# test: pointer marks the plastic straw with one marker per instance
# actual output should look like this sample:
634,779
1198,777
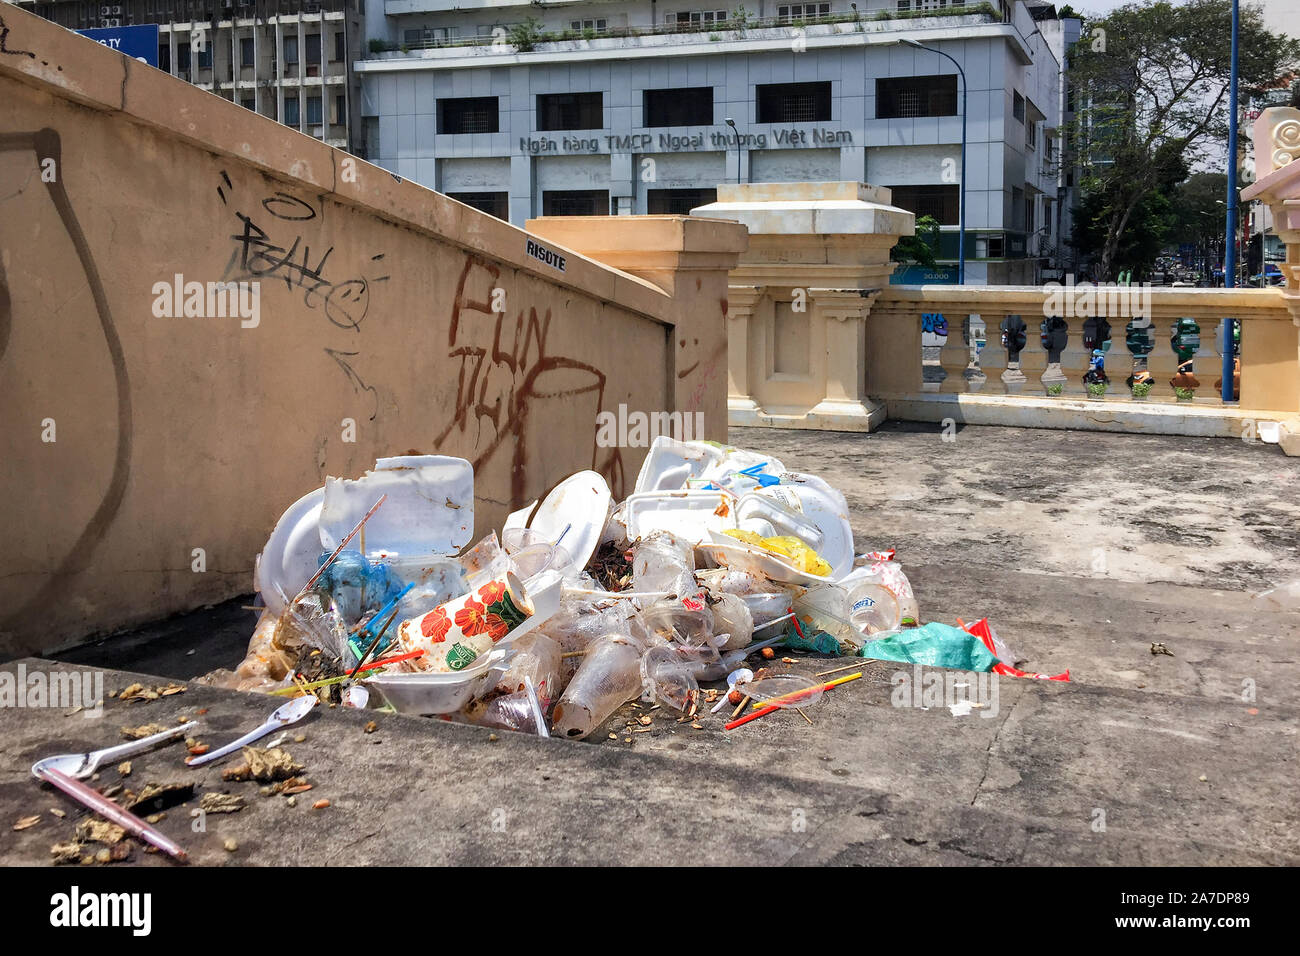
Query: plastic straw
618,594
789,697
342,544
110,811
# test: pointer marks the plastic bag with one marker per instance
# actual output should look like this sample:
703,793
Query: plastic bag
934,645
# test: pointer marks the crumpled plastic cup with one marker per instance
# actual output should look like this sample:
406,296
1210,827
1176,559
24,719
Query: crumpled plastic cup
610,676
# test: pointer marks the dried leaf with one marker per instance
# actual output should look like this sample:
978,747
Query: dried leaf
160,796
92,830
69,852
124,768
144,730
26,823
264,766
221,803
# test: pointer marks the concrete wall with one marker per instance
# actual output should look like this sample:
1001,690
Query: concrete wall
375,308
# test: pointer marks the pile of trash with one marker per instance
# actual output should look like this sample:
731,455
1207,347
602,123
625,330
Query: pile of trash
582,603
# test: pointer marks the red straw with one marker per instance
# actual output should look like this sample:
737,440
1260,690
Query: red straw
391,660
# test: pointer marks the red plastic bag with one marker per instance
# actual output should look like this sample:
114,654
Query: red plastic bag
981,630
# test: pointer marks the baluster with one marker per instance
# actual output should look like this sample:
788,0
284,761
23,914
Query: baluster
1054,334
973,332
1014,338
1185,339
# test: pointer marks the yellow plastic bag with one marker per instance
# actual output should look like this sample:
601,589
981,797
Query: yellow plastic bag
801,556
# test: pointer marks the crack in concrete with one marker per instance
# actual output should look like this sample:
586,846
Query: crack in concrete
988,753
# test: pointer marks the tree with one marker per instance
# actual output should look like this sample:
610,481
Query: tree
1151,83
1199,213
920,248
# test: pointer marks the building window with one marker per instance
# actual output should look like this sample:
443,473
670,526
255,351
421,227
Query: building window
941,202
794,102
340,47
423,37
291,51
183,57
249,103
686,18
313,48
469,114
561,111
905,6
1031,136
494,204
688,107
341,109
575,202
1017,106
589,26
315,116
246,52
205,58
802,11
291,117
677,202
899,97
165,57
1018,207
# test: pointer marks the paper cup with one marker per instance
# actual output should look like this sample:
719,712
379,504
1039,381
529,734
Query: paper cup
454,635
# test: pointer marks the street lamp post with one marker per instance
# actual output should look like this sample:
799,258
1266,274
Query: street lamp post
732,123
961,215
1230,229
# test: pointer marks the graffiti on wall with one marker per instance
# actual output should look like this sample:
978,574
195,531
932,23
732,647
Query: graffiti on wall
274,242
505,371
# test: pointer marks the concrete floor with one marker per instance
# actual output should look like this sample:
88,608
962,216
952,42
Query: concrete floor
1082,548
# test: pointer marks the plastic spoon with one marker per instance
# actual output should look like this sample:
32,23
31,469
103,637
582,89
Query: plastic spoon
286,714
81,766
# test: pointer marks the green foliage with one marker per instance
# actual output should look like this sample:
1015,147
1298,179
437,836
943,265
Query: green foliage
1151,89
920,248
526,35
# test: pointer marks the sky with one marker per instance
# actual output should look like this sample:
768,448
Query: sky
1279,15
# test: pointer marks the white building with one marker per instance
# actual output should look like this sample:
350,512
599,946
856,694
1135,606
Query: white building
290,60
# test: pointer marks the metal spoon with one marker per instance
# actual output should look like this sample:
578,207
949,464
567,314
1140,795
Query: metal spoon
81,766
284,715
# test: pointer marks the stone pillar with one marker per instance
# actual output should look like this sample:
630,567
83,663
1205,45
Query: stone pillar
1270,351
845,407
742,300
689,260
800,297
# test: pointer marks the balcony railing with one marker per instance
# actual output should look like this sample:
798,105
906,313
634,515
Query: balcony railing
927,345
519,39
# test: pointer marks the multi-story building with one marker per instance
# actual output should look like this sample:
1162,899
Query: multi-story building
291,60
643,106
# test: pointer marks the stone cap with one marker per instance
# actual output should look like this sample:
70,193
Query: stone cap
801,192
792,209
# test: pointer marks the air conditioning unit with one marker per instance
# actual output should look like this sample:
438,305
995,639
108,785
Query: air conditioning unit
110,21
111,11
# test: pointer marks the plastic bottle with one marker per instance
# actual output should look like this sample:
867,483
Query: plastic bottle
609,677
873,608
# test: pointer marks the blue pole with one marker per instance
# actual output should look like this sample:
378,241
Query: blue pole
961,213
1230,239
